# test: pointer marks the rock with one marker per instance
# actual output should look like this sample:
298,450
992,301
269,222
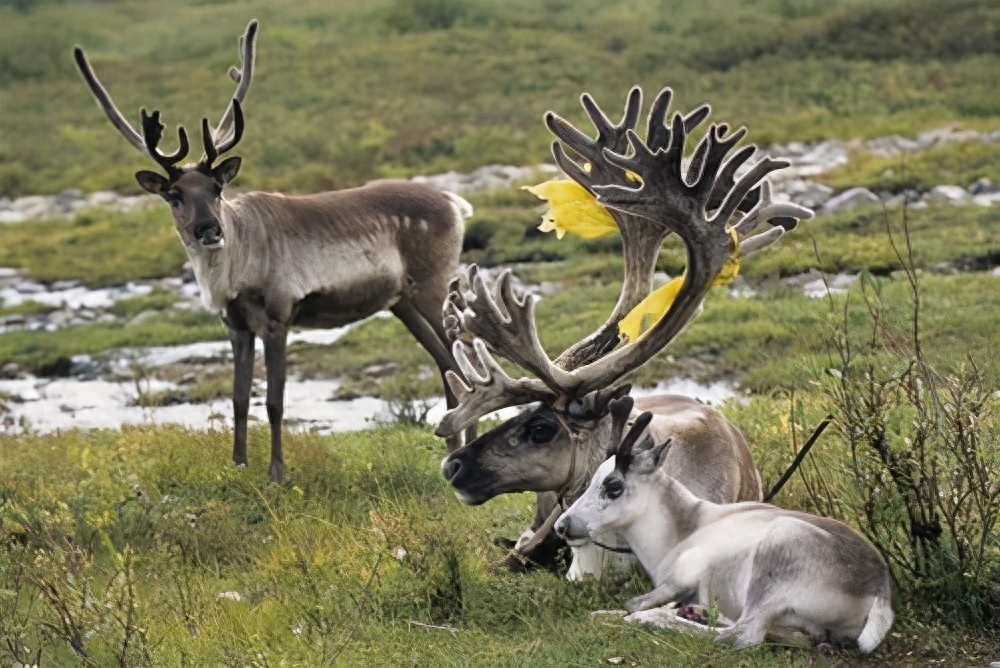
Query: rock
30,288
983,186
995,272
144,317
945,136
986,200
12,217
106,319
891,145
851,199
807,193
379,370
14,321
10,371
64,285
83,367
947,194
102,198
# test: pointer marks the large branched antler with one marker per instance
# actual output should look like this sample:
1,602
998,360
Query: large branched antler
684,203
696,203
640,241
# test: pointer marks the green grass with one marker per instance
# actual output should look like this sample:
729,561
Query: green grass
100,247
956,164
332,568
346,92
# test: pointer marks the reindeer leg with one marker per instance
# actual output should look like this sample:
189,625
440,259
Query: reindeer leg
242,340
275,343
427,336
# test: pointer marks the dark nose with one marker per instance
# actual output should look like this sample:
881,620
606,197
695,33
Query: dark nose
569,527
209,231
451,468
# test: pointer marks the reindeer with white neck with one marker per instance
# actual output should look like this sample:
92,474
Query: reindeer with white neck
553,448
767,568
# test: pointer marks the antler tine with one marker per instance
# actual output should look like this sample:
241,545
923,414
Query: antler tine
152,132
489,388
106,103
641,241
213,148
505,319
783,215
668,199
657,131
229,128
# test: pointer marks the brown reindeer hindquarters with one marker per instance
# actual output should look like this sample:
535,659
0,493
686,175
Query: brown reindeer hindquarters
707,454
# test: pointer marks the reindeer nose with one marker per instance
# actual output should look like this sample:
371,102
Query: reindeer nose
570,528
560,527
208,232
451,467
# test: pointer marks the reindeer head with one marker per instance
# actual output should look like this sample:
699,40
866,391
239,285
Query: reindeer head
556,445
619,492
193,191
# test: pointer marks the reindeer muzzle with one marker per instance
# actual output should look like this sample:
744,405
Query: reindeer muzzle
209,235
572,530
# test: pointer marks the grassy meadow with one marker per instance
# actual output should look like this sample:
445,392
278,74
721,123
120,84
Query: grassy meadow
145,546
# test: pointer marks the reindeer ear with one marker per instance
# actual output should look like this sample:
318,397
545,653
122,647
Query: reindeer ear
623,457
620,410
227,170
152,182
659,452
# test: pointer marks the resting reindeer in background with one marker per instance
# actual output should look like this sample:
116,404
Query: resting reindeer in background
266,262
765,567
555,447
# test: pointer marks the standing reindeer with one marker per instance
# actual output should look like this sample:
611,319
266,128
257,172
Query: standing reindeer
765,567
266,262
554,447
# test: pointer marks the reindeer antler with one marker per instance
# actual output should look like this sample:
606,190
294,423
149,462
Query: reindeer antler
697,204
226,135
230,128
640,241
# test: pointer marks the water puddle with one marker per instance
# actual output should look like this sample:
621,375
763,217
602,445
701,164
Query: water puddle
51,405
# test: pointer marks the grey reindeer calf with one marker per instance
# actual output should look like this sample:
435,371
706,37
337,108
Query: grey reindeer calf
266,262
765,567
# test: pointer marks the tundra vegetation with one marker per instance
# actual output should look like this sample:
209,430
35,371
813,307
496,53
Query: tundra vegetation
144,546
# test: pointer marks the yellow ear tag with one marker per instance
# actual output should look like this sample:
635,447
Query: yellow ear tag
657,303
572,208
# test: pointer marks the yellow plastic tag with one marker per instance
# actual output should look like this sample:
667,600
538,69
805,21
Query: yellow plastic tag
572,208
657,303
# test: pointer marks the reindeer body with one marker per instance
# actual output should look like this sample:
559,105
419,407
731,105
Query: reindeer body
266,262
765,567
333,258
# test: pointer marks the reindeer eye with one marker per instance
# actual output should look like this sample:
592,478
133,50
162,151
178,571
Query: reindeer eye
613,488
541,432
175,198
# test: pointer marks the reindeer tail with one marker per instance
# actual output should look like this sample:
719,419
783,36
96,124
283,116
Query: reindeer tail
462,207
879,620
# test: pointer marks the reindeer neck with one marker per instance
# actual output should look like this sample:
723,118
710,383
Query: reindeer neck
674,514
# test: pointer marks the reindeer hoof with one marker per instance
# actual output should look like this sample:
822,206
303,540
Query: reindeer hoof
277,472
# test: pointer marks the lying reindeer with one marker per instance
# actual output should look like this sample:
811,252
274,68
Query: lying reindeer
765,567
266,262
555,446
